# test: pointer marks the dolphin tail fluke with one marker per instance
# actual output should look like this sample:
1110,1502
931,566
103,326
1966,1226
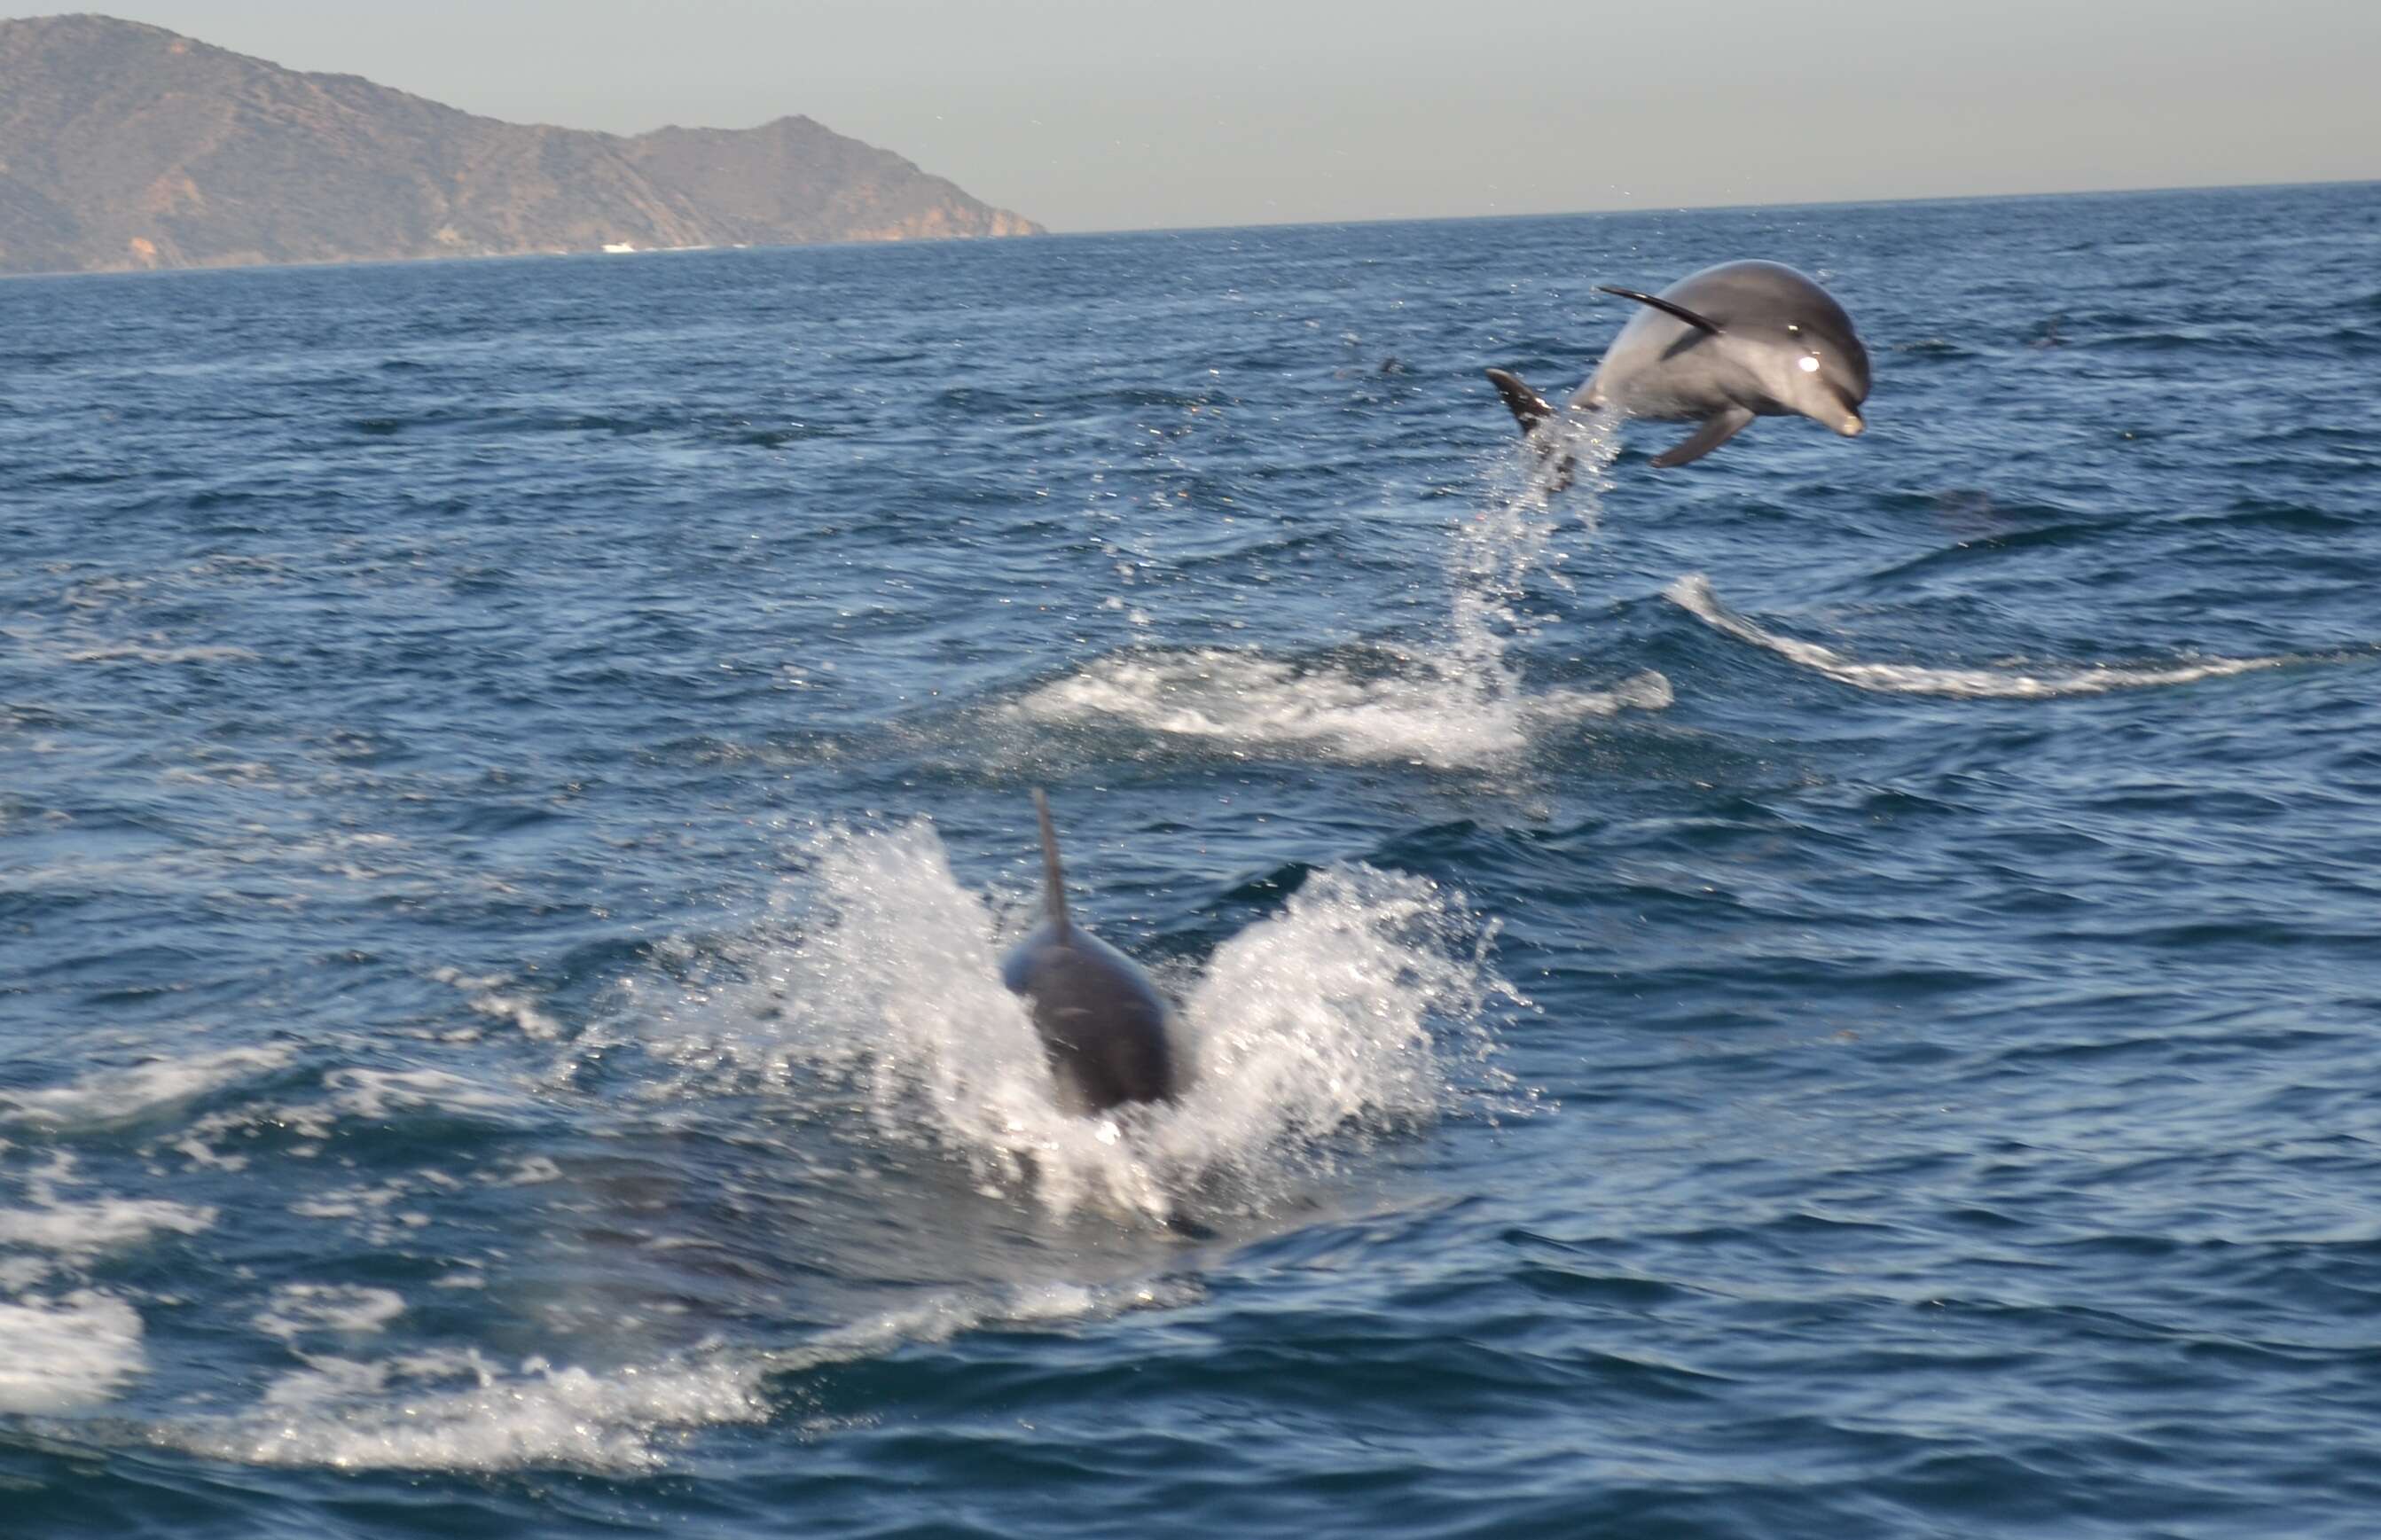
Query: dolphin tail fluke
1718,429
1054,879
1528,408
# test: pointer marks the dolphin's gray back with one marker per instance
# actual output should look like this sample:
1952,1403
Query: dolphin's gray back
1662,367
1103,1024
1758,291
1101,1021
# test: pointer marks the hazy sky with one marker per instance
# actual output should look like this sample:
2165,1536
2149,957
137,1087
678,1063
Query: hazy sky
1116,114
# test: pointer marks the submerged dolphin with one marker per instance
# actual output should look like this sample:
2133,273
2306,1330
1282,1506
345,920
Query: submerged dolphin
1722,347
1103,1024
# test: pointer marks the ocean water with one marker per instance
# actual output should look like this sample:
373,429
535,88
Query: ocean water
1832,991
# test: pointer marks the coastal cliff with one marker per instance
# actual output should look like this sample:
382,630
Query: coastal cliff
128,146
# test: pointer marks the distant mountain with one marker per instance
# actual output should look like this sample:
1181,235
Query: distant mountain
128,146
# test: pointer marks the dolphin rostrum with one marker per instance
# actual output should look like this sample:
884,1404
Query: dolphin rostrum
1102,1022
1721,346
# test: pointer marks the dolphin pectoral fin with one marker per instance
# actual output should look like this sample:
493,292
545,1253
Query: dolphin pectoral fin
1528,408
1718,429
1668,307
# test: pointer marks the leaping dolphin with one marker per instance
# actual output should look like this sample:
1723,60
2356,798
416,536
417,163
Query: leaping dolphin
1722,347
1102,1022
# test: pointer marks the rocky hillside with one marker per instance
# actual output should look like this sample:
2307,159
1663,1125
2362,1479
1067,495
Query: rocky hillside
125,146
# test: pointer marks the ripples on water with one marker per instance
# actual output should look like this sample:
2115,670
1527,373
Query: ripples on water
516,785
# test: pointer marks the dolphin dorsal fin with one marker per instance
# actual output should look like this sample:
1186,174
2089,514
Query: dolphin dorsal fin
1054,879
1528,408
1668,307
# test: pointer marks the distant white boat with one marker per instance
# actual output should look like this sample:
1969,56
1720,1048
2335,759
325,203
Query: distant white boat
618,246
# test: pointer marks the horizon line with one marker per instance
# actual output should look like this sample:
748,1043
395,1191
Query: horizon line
1048,234
1715,208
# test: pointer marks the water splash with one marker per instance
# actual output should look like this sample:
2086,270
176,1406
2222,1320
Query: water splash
1355,1009
1694,593
1458,700
1503,547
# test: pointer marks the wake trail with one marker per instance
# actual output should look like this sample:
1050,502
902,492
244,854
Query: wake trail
1694,593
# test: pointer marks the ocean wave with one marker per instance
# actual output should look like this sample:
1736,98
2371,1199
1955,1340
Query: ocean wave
459,1410
158,652
113,1098
462,1410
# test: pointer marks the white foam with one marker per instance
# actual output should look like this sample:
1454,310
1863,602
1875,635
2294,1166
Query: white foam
108,1098
531,1171
1355,1008
459,1410
463,1411
368,1095
491,996
1694,593
79,1229
21,1271
1431,711
347,1202
951,1315
301,1309
373,1094
60,1355
157,652
378,1218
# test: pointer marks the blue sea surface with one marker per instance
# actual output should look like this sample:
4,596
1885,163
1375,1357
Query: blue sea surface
1833,992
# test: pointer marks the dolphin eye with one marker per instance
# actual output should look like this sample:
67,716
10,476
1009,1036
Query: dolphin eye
1808,363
